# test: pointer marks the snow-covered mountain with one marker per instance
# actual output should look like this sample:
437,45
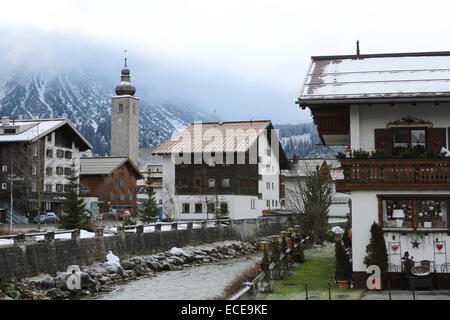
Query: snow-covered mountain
303,140
87,103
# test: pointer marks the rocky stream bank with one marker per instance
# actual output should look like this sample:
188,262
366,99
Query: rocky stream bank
102,276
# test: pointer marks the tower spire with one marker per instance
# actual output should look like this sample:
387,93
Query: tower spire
125,87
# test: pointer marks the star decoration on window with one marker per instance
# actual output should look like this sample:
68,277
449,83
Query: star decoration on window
393,237
415,244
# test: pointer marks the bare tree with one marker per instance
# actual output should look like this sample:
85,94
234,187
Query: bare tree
310,197
170,203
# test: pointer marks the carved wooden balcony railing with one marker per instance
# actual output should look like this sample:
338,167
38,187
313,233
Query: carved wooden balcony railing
398,174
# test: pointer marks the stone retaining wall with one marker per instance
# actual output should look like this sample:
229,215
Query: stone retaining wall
29,259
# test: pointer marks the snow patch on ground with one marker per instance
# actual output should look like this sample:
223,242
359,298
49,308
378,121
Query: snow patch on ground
176,251
337,230
112,259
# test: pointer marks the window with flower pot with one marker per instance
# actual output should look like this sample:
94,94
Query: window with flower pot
414,212
397,139
409,137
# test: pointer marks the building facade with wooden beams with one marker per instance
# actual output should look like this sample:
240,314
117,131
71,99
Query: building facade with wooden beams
112,180
393,113
39,153
235,165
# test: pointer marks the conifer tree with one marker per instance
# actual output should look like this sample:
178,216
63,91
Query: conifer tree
150,210
376,249
73,216
343,265
221,211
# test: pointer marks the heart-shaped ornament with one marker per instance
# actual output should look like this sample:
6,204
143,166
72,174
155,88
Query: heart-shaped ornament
394,247
439,246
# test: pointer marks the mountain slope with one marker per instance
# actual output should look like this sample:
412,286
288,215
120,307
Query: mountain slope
303,140
87,103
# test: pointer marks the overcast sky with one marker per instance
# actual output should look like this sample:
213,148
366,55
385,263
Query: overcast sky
246,59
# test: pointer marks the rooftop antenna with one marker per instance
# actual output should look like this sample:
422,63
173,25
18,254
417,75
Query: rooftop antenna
357,49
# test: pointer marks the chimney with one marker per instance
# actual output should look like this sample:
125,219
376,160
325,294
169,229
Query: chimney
51,115
20,117
357,49
5,120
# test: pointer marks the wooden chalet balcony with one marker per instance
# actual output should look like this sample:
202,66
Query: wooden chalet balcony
395,174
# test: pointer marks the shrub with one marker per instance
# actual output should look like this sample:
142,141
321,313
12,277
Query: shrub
236,284
376,249
128,222
343,265
340,156
361,154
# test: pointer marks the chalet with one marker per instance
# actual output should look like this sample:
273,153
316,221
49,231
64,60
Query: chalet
235,165
393,113
39,153
112,180
296,176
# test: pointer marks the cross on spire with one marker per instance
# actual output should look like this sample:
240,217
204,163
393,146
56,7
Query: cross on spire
125,56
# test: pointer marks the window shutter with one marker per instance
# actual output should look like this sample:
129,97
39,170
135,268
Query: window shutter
383,140
436,139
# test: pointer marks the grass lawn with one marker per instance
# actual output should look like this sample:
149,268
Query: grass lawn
316,271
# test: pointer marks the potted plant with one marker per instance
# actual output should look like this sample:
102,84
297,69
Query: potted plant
376,251
343,266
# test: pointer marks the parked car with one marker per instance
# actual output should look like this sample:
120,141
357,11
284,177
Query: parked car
123,215
50,217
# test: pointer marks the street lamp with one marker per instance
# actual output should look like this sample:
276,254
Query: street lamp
264,245
274,239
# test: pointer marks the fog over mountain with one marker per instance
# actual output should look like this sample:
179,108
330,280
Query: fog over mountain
157,76
62,73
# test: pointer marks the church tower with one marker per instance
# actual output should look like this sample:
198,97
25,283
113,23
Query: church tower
125,119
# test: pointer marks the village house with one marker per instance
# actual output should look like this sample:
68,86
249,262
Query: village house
150,165
235,165
40,154
393,111
294,180
112,180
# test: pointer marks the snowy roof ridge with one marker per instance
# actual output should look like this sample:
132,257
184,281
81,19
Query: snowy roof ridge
416,76
41,128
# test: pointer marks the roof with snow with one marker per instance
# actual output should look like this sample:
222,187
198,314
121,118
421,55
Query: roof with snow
146,158
396,77
106,166
186,139
34,129
236,136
